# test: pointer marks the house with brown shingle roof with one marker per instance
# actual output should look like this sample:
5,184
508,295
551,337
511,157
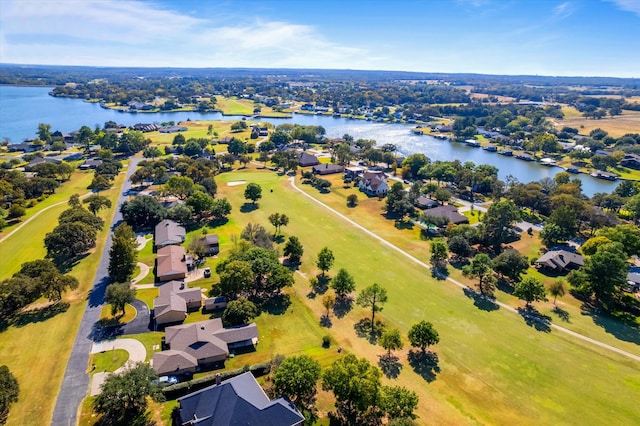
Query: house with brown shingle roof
374,183
450,213
174,300
171,263
168,232
305,159
208,342
560,260
173,362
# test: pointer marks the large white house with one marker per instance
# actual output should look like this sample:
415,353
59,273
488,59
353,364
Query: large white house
374,183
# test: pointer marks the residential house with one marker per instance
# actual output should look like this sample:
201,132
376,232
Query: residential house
215,303
145,127
173,129
90,164
174,300
208,342
353,172
212,244
168,232
449,212
424,202
631,160
172,263
560,260
174,362
26,147
374,183
327,169
305,159
29,167
236,401
601,174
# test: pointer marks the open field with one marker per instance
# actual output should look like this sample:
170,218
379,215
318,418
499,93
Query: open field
618,126
37,348
494,368
234,106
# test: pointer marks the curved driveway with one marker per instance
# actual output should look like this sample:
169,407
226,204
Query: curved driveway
458,283
76,379
137,353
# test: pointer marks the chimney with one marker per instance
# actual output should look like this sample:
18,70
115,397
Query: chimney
218,379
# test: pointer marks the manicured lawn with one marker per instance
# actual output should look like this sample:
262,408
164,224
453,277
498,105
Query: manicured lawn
108,361
147,295
472,215
37,348
151,341
107,319
234,106
493,367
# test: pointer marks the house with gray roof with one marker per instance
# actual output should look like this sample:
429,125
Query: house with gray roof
172,263
450,213
236,401
168,232
560,260
305,159
327,169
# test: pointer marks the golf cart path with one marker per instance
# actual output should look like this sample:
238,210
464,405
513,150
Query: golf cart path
459,284
38,214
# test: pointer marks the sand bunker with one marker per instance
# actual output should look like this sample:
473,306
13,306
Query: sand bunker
237,182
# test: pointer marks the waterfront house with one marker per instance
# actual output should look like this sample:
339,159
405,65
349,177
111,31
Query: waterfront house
600,174
374,183
631,160
327,169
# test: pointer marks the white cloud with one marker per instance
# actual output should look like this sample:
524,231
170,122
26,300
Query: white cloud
563,10
627,5
129,32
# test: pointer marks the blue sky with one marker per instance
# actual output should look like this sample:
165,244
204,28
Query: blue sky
544,37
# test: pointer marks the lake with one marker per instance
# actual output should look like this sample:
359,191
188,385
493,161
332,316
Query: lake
22,108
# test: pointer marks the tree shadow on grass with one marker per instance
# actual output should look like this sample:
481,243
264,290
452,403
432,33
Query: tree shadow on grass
425,364
322,284
363,330
403,224
248,207
481,301
40,314
390,365
143,419
564,315
214,223
622,330
325,321
342,306
533,318
277,305
505,286
439,274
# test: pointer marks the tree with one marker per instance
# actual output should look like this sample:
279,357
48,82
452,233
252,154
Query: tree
123,396
297,378
80,215
69,240
293,249
606,270
152,152
235,278
557,289
100,183
253,192
439,253
201,203
118,295
422,335
511,264
343,283
9,392
355,384
372,297
325,260
442,195
352,200
181,213
142,212
498,222
58,146
257,235
552,234
626,234
278,220
96,203
391,341
530,290
180,186
239,312
328,300
44,132
481,268
192,148
399,402
591,245
221,208
398,203
123,254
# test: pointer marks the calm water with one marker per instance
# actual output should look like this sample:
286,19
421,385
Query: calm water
22,108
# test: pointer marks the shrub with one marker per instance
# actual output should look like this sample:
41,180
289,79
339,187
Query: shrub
326,341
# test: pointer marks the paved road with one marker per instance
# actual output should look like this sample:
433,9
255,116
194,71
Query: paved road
466,288
76,380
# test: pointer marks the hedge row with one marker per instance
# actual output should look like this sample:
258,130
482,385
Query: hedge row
184,388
